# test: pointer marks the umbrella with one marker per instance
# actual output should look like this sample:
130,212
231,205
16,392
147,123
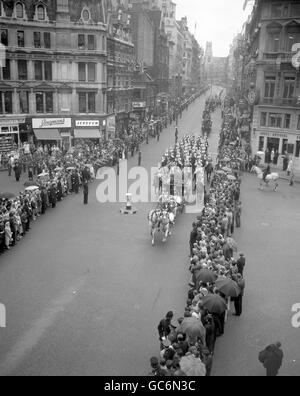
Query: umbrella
58,169
43,174
192,367
193,328
226,169
220,172
7,195
30,184
214,304
228,287
260,153
231,177
232,244
206,276
32,188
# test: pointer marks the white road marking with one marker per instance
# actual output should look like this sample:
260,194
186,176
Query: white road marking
32,337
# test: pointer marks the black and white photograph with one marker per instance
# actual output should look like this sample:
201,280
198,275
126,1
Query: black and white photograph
149,191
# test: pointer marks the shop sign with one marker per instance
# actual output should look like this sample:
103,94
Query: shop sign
12,122
48,123
138,105
87,123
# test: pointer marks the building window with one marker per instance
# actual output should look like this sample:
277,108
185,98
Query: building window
4,37
6,106
47,40
37,39
275,120
43,71
287,121
87,72
81,71
298,123
39,98
270,83
91,43
48,71
24,102
38,69
91,72
263,119
81,41
289,87
21,38
295,9
274,42
6,70
87,102
82,102
20,11
44,101
41,13
297,154
22,70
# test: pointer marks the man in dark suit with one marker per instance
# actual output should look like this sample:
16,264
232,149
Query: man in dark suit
241,263
85,193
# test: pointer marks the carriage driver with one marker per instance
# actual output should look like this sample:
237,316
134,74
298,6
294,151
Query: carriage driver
267,172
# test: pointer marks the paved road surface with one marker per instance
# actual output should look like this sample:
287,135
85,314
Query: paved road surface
84,291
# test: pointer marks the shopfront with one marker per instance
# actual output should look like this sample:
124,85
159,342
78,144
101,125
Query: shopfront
280,143
91,129
139,108
52,131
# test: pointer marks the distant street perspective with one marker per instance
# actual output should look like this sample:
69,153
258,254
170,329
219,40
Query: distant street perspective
149,191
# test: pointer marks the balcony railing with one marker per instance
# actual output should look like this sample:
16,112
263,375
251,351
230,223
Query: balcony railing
293,102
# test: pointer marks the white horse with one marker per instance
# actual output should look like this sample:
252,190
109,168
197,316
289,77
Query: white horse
272,178
160,220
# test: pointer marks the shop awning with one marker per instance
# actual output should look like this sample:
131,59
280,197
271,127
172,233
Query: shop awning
87,134
47,134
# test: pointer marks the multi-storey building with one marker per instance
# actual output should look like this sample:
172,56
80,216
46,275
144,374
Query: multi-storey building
273,37
53,83
120,65
176,39
187,57
215,68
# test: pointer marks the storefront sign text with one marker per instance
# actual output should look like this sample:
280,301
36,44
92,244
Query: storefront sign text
46,123
87,123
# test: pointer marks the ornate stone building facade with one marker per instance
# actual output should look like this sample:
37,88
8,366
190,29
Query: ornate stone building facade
53,82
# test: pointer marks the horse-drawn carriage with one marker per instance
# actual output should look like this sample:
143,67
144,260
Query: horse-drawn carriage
163,217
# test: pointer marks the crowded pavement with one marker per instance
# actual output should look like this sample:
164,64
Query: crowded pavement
85,288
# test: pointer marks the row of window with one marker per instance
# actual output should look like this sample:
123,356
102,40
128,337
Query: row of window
43,40
43,71
44,102
277,120
279,41
285,10
20,13
288,85
40,40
